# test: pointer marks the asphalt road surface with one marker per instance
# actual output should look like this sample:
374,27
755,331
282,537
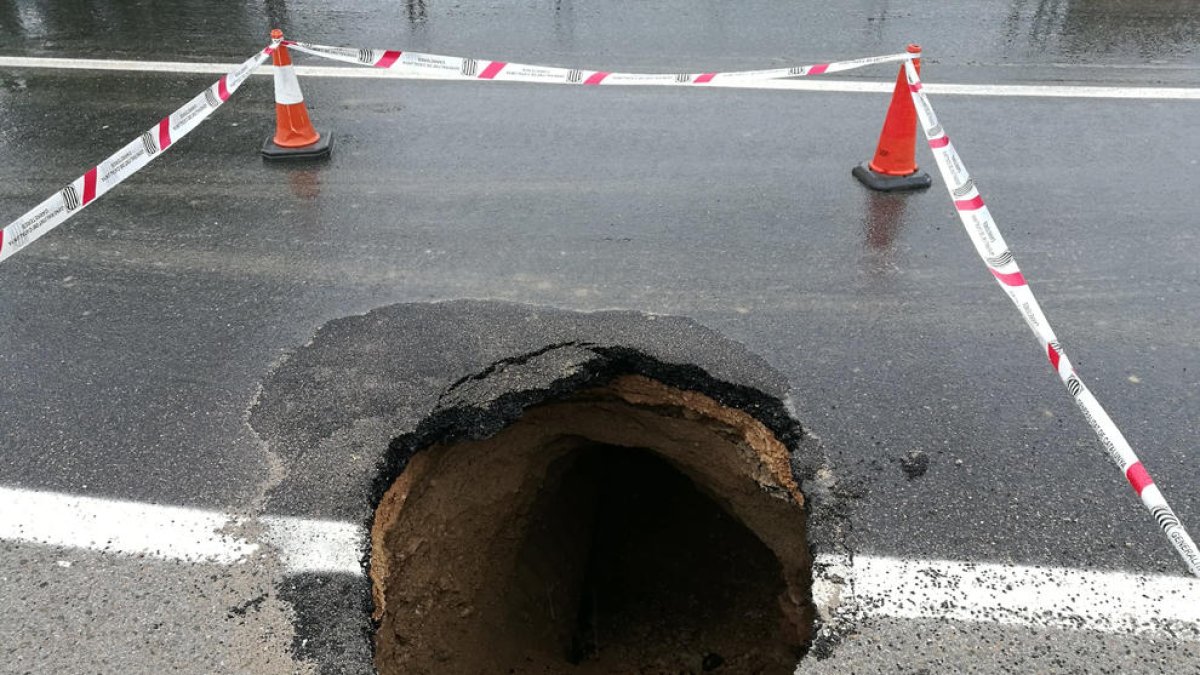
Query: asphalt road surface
140,338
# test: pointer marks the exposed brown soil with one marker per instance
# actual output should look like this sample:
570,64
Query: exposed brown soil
633,528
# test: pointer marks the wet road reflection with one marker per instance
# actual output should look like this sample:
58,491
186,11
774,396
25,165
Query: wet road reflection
415,11
675,32
882,224
158,309
305,183
1090,29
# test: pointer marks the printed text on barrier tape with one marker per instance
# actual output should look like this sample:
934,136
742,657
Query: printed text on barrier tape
990,245
972,211
59,207
81,192
440,67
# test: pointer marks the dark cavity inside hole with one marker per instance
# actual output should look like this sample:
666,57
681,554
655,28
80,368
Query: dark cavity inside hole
628,567
634,528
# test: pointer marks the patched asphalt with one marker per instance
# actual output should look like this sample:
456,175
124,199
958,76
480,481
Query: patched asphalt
345,413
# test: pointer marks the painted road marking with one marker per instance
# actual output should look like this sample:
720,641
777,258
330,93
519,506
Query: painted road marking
874,586
306,545
173,532
1036,596
843,86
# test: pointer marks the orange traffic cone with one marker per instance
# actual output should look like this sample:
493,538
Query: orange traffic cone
295,137
895,163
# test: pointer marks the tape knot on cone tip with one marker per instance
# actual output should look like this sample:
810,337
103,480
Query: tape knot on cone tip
894,166
295,137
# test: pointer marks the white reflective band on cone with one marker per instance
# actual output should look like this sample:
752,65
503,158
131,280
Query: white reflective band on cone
991,247
287,86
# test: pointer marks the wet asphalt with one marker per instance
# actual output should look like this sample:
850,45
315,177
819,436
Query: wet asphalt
972,40
136,337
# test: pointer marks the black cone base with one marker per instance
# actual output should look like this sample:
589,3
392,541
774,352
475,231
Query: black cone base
321,148
886,183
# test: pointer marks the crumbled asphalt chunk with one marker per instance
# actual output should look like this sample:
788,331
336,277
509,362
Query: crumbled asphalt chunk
914,464
253,603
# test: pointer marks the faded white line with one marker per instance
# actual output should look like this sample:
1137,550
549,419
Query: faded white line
173,532
129,528
306,545
867,586
842,86
1043,597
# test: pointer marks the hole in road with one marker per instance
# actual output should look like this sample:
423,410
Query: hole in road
652,570
628,529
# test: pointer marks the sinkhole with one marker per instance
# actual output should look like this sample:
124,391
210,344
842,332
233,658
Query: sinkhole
629,528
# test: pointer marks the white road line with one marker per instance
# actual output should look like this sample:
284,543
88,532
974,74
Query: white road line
1043,597
870,586
306,545
814,84
173,532
131,528
115,64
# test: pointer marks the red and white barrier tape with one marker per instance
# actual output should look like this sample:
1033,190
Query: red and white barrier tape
1000,262
971,209
434,66
125,162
